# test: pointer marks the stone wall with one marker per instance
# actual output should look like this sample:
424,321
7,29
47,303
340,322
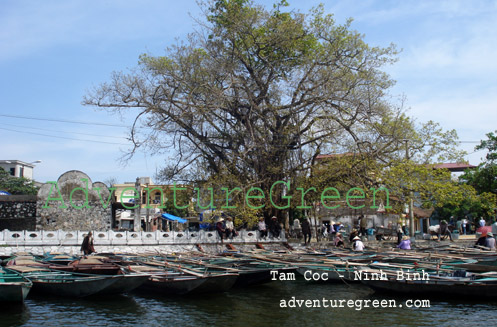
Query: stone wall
80,204
17,212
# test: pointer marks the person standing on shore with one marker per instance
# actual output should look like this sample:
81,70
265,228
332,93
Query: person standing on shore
230,228
464,224
262,228
494,227
400,232
87,245
363,223
444,230
275,227
306,230
482,222
220,228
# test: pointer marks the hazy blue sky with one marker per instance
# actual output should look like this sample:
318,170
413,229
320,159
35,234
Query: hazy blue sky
51,52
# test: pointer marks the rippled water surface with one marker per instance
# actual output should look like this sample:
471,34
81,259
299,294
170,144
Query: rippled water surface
254,306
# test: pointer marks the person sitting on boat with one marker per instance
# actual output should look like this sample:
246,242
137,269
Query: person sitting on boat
338,241
87,245
405,244
357,245
490,241
494,227
262,228
220,228
275,227
230,228
481,241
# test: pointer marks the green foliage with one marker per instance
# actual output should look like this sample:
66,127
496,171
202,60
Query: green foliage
484,178
16,185
473,205
491,146
480,185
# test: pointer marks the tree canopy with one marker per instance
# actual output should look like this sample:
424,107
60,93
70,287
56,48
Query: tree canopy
484,178
254,96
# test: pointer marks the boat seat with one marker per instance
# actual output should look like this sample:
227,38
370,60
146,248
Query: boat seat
23,269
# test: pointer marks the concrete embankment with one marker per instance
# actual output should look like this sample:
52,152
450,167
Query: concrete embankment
39,242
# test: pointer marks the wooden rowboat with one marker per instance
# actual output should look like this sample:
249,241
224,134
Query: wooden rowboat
472,289
58,283
13,286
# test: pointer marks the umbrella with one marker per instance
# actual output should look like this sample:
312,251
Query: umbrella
168,216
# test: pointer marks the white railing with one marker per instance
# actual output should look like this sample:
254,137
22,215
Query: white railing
21,238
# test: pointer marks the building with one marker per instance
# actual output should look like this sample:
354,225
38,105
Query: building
154,200
18,168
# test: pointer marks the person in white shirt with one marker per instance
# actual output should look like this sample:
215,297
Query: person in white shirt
229,228
262,228
357,245
482,222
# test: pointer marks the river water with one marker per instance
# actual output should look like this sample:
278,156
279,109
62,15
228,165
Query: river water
254,306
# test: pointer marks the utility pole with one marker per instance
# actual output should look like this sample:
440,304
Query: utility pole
411,196
138,200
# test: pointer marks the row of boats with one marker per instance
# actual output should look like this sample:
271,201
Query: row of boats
64,275
433,271
441,271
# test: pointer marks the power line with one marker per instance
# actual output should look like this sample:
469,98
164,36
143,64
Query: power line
476,151
63,121
61,137
52,130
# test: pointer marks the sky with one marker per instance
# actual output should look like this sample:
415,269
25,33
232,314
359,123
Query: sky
53,52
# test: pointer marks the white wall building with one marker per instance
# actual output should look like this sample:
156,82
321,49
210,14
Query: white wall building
18,168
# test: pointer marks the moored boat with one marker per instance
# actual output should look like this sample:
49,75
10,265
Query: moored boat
483,288
13,286
166,282
58,283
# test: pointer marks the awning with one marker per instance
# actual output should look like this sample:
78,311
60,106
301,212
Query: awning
4,193
173,218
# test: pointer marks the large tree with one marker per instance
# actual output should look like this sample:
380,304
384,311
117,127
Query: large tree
253,96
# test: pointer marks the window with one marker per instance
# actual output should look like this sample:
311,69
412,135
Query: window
13,171
157,198
21,172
